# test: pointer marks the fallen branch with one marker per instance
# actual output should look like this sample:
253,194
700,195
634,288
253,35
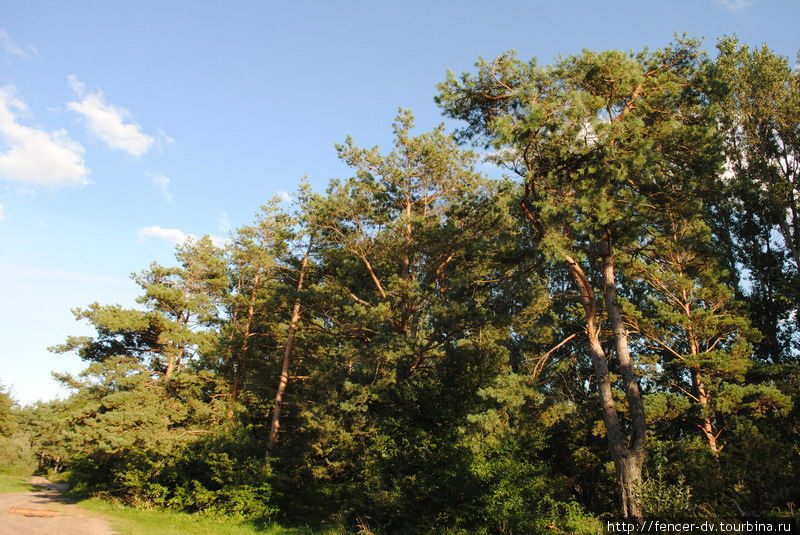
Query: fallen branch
24,511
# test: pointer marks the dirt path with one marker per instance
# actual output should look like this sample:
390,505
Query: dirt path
69,519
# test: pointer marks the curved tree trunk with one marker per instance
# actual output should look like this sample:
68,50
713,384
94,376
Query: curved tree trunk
287,355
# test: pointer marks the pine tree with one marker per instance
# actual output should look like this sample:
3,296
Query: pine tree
255,268
182,306
690,318
407,320
589,136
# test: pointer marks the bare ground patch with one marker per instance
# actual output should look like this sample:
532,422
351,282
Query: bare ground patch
47,512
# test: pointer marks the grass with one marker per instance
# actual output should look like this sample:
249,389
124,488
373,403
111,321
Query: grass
131,521
9,483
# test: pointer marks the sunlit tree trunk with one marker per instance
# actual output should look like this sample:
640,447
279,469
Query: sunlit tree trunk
287,354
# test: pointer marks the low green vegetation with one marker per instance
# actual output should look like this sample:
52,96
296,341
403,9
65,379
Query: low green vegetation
10,483
132,521
17,455
610,330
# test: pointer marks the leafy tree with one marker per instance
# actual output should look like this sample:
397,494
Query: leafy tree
159,441
43,427
7,422
16,453
758,98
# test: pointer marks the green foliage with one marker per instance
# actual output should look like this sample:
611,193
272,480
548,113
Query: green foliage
131,521
663,500
757,94
160,442
8,425
16,455
659,497
182,308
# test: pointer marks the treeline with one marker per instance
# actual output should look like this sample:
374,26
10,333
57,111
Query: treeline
611,329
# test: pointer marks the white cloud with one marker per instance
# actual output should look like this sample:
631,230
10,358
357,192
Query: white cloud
736,7
162,183
108,121
37,156
175,236
10,48
3,215
216,241
172,235
282,195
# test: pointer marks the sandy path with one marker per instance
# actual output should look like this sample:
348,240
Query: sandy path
70,520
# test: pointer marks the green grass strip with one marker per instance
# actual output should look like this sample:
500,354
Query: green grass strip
131,521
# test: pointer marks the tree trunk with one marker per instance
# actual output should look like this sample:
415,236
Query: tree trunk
788,237
628,464
705,425
627,461
287,355
629,475
407,238
170,366
701,391
631,384
634,457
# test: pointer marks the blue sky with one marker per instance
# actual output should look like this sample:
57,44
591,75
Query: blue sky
126,126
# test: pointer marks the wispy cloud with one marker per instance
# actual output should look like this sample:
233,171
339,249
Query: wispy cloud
36,156
162,183
173,235
163,139
737,7
3,215
108,121
223,222
282,195
10,48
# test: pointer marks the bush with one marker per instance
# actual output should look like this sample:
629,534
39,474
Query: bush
17,456
660,499
207,477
